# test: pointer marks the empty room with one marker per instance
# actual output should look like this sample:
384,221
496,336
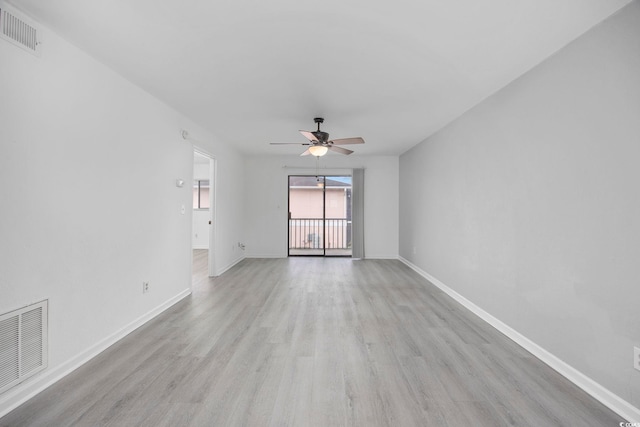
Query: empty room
227,213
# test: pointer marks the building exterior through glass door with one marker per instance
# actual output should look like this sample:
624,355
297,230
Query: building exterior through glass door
319,215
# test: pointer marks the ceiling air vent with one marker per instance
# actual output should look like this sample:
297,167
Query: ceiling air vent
23,344
17,30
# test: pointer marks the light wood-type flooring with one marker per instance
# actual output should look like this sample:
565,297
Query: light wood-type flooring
313,342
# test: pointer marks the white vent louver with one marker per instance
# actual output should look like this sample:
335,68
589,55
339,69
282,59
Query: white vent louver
23,344
15,29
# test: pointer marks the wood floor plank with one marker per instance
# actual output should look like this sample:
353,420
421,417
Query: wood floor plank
313,342
294,397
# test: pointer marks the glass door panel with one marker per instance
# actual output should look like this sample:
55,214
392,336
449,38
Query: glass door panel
337,216
306,215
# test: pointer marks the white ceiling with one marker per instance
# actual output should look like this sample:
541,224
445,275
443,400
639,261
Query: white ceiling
256,71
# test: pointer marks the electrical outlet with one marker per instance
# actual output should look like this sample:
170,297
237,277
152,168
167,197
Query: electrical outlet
636,358
145,287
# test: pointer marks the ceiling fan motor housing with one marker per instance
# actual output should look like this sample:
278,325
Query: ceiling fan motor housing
322,136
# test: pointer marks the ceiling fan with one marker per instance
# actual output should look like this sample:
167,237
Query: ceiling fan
319,142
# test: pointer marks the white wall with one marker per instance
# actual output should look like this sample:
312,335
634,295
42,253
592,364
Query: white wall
90,208
266,200
230,228
528,204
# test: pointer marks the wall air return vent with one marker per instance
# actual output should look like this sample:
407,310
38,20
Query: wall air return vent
23,344
18,30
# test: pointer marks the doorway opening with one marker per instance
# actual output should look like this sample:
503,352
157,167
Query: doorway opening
203,228
320,215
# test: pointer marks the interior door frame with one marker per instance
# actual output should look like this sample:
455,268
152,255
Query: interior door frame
212,272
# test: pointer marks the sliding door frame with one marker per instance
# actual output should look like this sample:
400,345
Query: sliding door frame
324,217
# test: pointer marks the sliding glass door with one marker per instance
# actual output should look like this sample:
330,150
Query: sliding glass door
319,215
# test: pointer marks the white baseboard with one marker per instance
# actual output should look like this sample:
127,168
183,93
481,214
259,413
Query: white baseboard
380,256
13,398
229,266
603,395
258,256
284,255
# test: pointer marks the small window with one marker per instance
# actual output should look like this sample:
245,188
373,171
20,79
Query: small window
201,194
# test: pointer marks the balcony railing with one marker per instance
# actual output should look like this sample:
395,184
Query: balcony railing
319,233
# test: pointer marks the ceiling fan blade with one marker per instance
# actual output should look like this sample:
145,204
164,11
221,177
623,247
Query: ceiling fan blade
339,149
345,141
309,135
306,153
289,143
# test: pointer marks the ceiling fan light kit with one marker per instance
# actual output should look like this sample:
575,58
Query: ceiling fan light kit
318,150
319,142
